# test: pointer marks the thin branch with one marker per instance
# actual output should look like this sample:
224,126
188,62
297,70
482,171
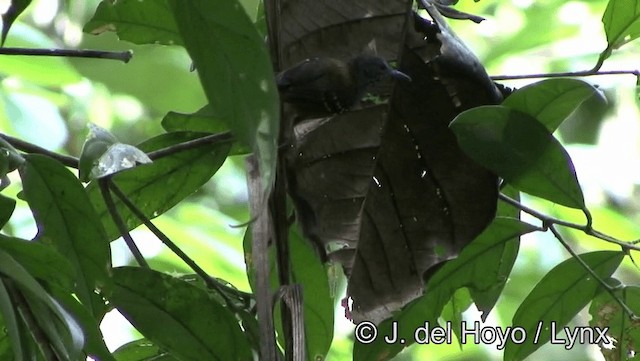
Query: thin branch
32,148
584,265
122,228
72,162
225,137
208,280
567,74
123,56
548,221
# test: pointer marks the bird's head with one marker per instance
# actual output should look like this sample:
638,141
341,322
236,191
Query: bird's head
370,69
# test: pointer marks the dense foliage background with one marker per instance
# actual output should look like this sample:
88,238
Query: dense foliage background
49,102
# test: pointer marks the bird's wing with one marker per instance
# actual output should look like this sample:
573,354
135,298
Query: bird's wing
306,73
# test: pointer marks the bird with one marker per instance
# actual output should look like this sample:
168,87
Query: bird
325,86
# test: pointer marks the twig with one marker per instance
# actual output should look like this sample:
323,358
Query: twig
548,221
123,56
567,74
122,228
584,265
72,162
208,280
32,148
225,137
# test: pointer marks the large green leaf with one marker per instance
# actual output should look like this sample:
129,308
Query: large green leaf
41,260
94,340
520,150
11,328
606,313
478,267
236,73
66,219
62,331
309,272
7,205
142,350
557,298
621,22
140,22
178,317
155,188
552,101
204,120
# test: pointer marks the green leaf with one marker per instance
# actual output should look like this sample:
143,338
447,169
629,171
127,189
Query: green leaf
61,329
452,311
140,22
15,9
10,324
94,345
477,267
552,101
486,299
204,120
178,317
66,219
236,73
41,260
158,186
557,298
142,350
621,22
520,150
607,313
7,206
318,304
317,301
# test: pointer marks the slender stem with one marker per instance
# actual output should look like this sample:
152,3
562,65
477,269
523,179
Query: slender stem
208,280
608,288
123,56
567,74
548,221
32,148
72,162
122,228
225,137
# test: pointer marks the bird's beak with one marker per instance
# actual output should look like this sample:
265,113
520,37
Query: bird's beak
396,74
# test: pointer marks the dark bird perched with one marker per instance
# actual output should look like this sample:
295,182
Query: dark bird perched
328,86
